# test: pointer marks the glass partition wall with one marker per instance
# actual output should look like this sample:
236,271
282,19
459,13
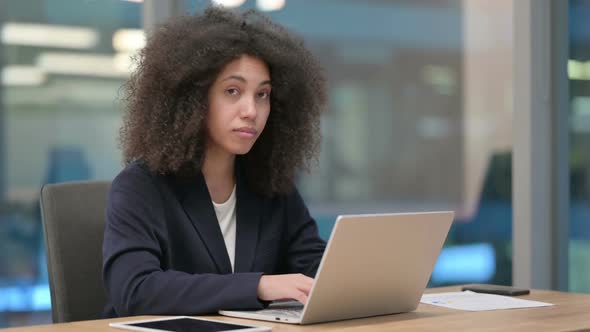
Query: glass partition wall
419,118
62,63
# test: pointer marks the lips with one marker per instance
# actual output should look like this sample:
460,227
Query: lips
247,130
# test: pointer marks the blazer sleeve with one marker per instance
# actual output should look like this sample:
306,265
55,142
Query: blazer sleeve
304,245
132,273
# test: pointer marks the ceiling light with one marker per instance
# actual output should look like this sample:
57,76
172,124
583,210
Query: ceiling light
48,35
80,64
124,62
228,3
22,76
128,40
270,5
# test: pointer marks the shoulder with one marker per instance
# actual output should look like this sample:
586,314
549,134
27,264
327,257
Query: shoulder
135,169
135,177
137,180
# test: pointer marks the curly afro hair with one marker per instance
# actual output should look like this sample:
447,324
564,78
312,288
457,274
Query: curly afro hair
164,122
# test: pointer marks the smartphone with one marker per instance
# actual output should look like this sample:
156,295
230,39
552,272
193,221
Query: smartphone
495,289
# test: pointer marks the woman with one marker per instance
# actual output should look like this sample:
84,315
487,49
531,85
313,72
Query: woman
223,111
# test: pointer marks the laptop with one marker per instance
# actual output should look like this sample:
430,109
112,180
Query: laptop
374,264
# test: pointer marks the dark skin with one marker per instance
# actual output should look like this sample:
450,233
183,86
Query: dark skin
220,88
239,107
168,98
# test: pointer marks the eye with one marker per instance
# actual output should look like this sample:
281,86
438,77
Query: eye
232,91
264,94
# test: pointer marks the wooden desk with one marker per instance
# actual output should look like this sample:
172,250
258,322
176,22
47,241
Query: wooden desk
571,312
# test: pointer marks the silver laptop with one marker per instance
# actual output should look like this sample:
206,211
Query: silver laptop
375,264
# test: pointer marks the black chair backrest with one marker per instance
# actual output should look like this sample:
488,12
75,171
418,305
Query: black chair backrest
73,217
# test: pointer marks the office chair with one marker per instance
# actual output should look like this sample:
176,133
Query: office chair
73,223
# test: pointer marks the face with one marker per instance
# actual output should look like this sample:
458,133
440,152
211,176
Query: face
239,105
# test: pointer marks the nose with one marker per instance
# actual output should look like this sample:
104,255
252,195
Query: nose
248,110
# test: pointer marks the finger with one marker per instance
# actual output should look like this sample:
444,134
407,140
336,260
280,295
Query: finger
306,280
309,280
300,296
304,277
304,288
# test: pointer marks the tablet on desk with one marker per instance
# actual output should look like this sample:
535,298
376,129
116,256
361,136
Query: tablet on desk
186,324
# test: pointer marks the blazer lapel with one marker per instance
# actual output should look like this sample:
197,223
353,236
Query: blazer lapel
249,208
197,204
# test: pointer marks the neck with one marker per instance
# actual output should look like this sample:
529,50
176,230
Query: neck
218,170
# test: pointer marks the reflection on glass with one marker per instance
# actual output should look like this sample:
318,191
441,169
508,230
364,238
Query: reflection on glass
420,118
60,78
579,75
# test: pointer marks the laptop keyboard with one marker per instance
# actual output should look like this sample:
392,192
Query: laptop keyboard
286,312
289,309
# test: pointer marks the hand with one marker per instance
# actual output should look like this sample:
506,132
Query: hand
284,286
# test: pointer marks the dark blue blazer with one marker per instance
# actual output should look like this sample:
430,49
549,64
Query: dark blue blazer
163,251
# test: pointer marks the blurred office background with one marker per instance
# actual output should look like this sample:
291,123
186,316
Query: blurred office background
420,118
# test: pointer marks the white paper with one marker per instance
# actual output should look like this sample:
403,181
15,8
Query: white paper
472,301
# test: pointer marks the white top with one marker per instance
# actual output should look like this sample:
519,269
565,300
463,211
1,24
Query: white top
226,216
